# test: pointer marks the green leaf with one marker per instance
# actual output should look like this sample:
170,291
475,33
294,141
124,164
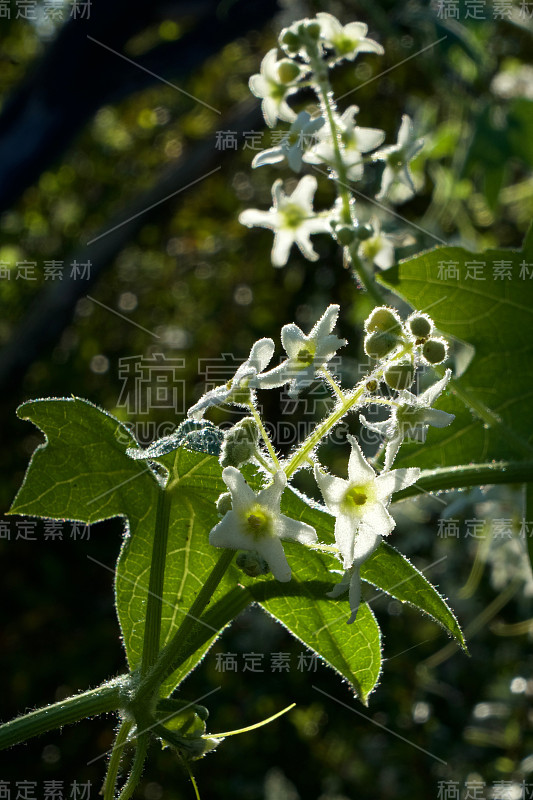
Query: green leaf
492,399
83,473
391,571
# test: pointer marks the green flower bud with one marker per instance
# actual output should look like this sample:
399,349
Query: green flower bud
240,444
345,234
252,563
400,376
224,503
372,386
288,71
420,325
435,351
379,344
313,29
384,319
289,40
364,232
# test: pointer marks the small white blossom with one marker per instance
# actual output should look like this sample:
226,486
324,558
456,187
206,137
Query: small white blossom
238,389
379,247
256,523
354,142
268,86
347,40
412,418
360,507
300,134
291,218
306,354
397,158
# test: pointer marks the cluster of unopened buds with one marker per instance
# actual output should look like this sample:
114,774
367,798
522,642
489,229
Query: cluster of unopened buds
251,521
330,142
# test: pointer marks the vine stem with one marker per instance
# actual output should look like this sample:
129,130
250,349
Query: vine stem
443,479
348,402
102,700
264,434
121,740
169,657
152,627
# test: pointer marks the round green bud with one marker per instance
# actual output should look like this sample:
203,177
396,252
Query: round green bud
345,234
313,29
385,320
379,344
289,40
420,325
240,444
364,232
288,71
224,503
435,351
252,563
400,376
372,386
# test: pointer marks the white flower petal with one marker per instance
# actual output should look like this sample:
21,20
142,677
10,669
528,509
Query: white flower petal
272,551
355,30
261,353
366,541
253,217
438,418
430,395
272,156
305,190
242,495
333,489
297,531
326,323
354,595
342,586
389,482
345,533
378,519
303,242
271,495
368,138
228,533
359,470
283,241
292,339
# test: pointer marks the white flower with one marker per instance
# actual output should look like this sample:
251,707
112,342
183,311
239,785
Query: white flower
291,218
397,158
353,140
291,147
238,389
256,523
347,40
360,507
412,418
268,86
379,247
306,353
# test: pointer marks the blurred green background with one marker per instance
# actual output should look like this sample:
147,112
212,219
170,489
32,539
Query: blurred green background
127,166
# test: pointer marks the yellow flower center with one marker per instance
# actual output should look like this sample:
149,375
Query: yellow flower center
357,497
258,522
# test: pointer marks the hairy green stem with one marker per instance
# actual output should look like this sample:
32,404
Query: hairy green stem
171,656
367,280
445,478
349,402
264,434
152,627
117,753
101,700
137,768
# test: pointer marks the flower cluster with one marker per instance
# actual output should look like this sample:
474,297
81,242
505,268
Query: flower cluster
251,520
329,141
